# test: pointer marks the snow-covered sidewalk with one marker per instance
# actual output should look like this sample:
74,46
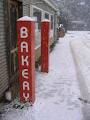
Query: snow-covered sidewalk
57,93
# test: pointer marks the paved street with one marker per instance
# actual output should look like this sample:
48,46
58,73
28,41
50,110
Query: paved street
81,54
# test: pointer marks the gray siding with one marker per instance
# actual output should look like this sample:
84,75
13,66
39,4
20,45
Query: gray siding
45,7
4,78
41,4
26,7
3,63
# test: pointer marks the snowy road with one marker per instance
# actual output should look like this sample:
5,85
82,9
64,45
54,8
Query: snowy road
57,92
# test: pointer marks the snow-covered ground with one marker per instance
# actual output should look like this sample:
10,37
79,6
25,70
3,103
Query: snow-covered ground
81,53
57,93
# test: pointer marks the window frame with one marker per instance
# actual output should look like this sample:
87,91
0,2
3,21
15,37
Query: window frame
43,15
51,21
34,7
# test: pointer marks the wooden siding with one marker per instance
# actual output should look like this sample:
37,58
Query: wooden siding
26,7
3,63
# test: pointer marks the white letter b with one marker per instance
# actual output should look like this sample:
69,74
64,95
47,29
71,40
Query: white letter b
24,32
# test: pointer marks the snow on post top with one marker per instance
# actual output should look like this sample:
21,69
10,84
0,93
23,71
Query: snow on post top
26,18
45,20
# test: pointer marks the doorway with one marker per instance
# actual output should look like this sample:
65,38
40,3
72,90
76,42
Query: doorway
15,12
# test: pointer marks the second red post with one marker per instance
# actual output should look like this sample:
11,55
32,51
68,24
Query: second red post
45,30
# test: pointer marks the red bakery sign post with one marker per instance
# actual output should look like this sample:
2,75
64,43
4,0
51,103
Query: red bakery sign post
26,58
45,29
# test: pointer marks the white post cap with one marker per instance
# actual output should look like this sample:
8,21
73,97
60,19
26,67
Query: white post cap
26,18
45,20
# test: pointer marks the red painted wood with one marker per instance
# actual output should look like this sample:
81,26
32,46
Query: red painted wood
45,29
27,82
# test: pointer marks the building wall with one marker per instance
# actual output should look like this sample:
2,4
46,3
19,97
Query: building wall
4,65
44,8
3,61
43,5
27,10
26,7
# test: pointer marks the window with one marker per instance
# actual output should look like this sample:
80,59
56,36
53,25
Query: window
52,21
46,16
37,13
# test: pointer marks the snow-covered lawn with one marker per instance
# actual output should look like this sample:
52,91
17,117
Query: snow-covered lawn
57,93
